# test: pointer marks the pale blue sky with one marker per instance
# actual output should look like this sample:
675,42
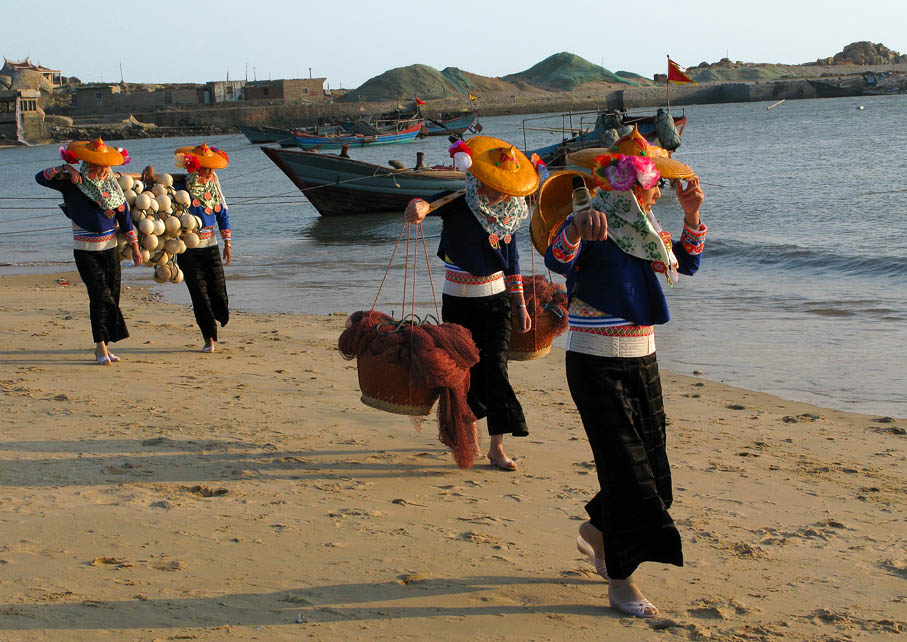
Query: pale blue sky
350,41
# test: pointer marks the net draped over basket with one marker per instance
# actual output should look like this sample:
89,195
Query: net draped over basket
437,357
546,303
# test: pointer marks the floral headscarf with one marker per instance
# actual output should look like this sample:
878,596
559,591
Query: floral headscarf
106,192
500,220
635,232
206,192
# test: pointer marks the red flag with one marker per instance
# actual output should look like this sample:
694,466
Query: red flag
472,96
419,101
676,74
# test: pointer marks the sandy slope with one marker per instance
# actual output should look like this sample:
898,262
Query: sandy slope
177,495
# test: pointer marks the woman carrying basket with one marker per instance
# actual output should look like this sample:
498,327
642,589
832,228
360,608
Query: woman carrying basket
612,255
483,287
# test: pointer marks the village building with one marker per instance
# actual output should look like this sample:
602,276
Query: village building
11,67
21,118
224,91
287,91
116,99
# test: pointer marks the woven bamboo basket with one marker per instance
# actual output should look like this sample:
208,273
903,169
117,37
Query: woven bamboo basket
386,386
535,344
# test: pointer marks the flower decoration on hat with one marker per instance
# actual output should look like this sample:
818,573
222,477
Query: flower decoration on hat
461,154
125,153
190,162
621,172
540,167
68,156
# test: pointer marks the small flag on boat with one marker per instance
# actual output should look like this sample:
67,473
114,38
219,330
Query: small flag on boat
676,74
472,96
419,101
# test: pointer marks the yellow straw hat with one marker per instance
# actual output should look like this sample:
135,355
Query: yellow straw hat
634,144
501,166
96,152
210,157
555,203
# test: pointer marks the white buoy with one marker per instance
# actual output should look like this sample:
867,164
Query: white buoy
191,240
126,182
142,201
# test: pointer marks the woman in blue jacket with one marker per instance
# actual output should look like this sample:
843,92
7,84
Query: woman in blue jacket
613,255
94,201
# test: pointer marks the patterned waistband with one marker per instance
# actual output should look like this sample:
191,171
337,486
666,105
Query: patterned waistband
461,283
610,345
206,237
592,331
84,240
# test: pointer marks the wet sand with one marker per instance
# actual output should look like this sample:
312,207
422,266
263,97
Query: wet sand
248,494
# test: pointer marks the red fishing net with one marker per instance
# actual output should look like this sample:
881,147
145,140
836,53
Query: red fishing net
438,357
546,303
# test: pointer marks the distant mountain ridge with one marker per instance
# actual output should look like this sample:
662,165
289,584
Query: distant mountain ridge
558,72
567,72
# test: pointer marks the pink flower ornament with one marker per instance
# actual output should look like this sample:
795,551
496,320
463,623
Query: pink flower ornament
622,176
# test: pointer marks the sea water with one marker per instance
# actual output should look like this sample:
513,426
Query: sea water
801,291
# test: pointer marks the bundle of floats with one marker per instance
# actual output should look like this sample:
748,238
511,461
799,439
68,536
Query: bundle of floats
163,223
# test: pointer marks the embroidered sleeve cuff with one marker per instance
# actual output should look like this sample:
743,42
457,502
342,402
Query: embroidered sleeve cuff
693,241
131,237
50,172
562,249
225,234
514,282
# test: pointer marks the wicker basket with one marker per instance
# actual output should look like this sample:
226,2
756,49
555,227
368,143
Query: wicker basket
386,386
525,346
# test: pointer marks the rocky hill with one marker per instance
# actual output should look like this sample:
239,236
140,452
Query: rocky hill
863,53
855,54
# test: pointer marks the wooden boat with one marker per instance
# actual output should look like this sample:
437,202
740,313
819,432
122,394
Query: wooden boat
404,133
588,129
336,185
261,135
446,124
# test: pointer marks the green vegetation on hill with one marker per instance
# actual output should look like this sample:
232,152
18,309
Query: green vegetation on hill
564,71
740,73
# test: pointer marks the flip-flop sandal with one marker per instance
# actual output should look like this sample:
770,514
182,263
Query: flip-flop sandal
113,358
636,608
103,361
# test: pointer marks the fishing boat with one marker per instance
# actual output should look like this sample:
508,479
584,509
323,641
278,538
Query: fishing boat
581,130
336,185
448,124
403,133
261,135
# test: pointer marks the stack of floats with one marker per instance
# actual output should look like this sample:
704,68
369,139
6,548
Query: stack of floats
163,223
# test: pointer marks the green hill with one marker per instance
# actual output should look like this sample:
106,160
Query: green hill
403,82
564,71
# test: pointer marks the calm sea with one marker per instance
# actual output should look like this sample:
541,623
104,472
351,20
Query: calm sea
802,291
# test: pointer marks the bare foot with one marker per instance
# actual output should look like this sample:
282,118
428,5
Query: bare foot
497,456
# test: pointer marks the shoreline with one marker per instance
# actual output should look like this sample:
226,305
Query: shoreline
249,493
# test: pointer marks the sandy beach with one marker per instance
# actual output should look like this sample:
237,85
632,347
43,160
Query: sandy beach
249,495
